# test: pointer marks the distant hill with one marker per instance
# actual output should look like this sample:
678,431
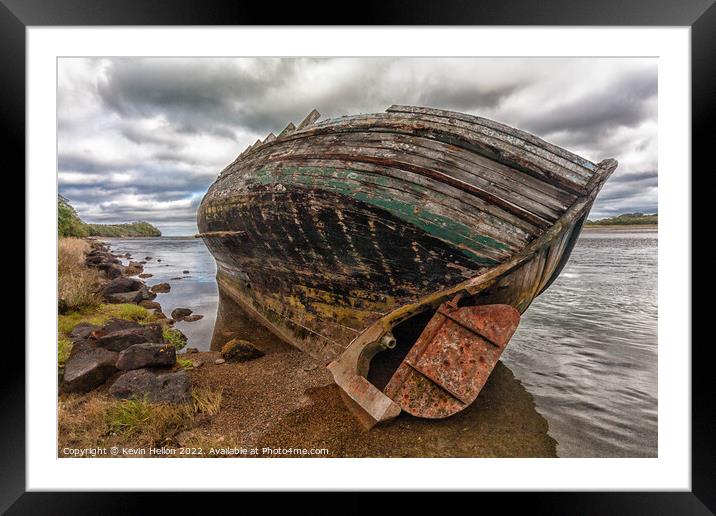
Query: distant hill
70,224
626,219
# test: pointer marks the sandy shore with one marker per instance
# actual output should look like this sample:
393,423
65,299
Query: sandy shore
286,400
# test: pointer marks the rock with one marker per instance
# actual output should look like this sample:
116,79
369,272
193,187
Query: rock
219,361
147,294
179,313
125,297
159,259
151,305
133,269
160,288
87,369
176,278
138,356
123,284
192,318
145,275
185,272
127,255
191,350
115,324
111,270
147,257
142,262
82,331
198,363
156,386
122,339
311,367
237,350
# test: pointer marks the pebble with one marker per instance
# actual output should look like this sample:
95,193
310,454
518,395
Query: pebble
219,361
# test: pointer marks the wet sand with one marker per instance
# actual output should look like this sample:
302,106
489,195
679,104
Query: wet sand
286,400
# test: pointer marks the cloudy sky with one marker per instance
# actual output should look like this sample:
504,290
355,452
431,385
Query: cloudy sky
142,139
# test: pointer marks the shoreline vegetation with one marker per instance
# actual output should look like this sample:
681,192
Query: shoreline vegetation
626,219
71,225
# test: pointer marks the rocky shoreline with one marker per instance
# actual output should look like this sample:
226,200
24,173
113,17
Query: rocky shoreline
137,360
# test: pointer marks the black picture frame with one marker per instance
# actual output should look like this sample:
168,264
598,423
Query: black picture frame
700,15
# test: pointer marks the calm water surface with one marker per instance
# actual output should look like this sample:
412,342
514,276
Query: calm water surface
586,349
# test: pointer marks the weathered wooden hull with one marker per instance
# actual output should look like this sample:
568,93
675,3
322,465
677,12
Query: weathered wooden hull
334,233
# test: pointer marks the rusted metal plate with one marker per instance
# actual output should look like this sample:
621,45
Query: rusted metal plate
450,362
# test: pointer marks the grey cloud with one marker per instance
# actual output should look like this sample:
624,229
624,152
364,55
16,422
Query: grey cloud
172,124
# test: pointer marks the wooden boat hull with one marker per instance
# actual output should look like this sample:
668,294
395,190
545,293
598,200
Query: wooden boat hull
334,233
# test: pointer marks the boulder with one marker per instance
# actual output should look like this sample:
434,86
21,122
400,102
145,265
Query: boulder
145,275
150,305
114,324
147,294
147,257
157,387
87,369
122,339
179,313
122,284
138,356
192,318
185,272
133,268
125,297
160,288
237,350
111,270
82,331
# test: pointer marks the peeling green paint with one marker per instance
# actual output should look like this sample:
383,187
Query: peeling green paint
466,239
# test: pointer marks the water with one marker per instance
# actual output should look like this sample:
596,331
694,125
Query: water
586,349
196,290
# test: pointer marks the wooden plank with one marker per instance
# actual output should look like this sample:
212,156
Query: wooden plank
507,130
409,163
471,140
290,128
447,162
309,120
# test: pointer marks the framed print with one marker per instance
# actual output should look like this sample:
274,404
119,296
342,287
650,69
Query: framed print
456,252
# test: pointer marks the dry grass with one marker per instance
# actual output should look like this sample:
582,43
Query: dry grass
77,284
206,401
96,420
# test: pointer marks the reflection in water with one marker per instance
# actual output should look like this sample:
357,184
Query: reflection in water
586,350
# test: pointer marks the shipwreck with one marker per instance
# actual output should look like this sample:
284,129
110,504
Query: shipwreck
413,238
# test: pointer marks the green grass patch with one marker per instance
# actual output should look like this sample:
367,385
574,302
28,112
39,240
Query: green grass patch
129,416
185,362
174,337
103,313
64,346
